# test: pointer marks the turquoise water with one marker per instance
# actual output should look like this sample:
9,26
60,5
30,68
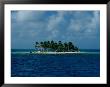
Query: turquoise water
25,64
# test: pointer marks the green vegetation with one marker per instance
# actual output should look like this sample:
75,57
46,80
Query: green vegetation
56,46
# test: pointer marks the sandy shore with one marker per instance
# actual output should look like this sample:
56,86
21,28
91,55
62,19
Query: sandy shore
63,52
37,52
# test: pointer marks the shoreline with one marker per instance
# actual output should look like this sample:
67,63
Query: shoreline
64,52
36,52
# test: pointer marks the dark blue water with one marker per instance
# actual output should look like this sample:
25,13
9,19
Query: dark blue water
55,65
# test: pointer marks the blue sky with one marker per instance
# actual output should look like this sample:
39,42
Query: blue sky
80,27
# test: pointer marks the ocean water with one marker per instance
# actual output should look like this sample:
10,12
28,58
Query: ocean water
24,64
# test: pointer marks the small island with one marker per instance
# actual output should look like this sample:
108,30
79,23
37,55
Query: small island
52,47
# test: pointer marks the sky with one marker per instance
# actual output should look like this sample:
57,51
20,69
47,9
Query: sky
80,27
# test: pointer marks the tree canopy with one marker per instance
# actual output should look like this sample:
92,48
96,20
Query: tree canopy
57,46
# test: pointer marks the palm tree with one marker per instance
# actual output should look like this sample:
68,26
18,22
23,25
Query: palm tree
48,43
70,46
36,45
65,46
52,44
60,46
41,44
57,46
45,44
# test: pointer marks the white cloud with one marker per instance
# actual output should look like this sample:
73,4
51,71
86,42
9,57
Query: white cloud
75,25
54,20
85,25
28,15
63,25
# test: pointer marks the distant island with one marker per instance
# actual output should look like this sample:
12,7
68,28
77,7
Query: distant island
52,46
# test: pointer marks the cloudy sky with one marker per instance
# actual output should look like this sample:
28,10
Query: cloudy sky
80,27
